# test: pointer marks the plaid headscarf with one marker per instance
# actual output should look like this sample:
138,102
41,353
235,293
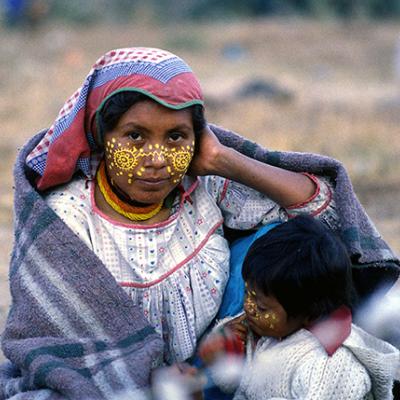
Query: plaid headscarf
68,144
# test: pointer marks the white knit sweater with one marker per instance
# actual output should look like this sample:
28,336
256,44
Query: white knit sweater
298,367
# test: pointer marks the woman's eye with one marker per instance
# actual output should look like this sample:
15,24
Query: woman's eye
175,136
135,136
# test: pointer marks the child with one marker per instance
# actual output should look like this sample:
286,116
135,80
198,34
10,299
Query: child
296,326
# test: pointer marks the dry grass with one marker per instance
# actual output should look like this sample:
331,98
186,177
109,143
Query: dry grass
346,101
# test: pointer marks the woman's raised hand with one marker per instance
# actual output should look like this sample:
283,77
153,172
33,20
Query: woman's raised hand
209,151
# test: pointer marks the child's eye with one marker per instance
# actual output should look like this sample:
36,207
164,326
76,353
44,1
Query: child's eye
135,136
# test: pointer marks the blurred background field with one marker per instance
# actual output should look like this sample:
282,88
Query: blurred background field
316,79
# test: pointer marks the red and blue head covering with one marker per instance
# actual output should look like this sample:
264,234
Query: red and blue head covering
68,144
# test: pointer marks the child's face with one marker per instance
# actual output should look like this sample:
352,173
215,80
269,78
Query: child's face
266,316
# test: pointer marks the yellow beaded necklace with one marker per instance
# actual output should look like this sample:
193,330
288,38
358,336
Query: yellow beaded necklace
131,212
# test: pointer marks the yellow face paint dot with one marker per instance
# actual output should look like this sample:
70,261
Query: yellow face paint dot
139,173
156,145
150,147
113,140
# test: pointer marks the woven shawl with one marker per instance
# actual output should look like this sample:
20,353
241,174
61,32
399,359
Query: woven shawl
72,332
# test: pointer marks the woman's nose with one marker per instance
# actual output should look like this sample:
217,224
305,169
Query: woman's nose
155,158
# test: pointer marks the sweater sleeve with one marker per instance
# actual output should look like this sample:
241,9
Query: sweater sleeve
340,376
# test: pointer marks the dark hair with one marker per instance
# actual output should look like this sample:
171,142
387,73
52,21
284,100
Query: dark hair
303,265
119,103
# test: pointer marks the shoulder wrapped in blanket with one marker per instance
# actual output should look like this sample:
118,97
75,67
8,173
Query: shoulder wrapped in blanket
72,332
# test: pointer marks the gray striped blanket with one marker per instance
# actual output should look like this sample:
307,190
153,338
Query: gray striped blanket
72,332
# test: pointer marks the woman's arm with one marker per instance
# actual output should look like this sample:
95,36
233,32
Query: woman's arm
282,186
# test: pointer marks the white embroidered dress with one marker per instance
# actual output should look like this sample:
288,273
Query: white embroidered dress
176,271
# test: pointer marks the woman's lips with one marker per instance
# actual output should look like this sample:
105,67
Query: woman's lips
152,181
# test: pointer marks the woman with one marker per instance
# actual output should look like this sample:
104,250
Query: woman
134,190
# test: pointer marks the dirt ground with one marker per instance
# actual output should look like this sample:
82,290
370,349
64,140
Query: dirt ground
335,90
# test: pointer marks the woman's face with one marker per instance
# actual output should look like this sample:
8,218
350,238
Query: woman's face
266,316
149,151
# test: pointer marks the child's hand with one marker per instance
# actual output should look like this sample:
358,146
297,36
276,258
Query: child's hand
239,327
229,340
212,347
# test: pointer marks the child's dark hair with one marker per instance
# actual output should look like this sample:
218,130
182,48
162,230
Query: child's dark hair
303,265
119,103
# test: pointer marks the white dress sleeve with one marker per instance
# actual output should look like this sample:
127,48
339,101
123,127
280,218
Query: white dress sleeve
245,208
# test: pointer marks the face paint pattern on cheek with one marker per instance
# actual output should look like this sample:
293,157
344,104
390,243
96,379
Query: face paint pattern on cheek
270,318
125,159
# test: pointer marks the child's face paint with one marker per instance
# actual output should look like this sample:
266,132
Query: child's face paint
149,151
267,317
